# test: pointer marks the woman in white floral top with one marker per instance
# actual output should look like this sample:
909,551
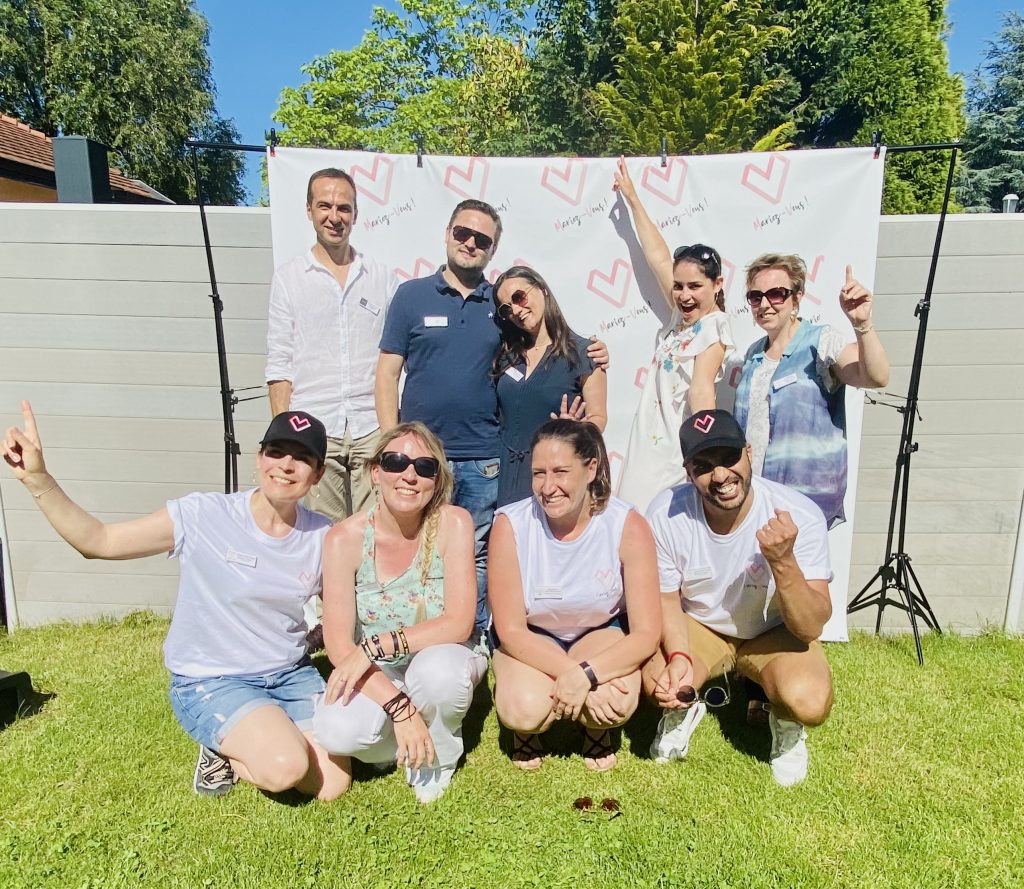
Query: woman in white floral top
688,360
399,600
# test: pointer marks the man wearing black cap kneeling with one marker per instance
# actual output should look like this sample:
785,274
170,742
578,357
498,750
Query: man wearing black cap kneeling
744,571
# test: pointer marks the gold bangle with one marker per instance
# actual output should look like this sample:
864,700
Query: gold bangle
47,491
867,328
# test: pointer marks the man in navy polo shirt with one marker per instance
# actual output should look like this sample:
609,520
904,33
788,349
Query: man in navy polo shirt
441,329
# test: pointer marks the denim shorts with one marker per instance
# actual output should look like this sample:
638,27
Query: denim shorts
209,708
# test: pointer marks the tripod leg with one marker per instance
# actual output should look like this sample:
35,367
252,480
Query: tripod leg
926,614
903,585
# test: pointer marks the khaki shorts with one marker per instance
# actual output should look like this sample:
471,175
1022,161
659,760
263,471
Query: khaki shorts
720,653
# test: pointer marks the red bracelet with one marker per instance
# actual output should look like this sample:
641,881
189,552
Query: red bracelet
679,654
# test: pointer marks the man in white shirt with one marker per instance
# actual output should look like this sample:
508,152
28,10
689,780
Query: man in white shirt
744,572
325,319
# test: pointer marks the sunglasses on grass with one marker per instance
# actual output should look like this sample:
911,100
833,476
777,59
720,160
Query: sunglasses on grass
462,234
426,467
776,296
504,311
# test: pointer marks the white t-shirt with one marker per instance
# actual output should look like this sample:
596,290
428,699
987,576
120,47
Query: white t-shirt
241,591
569,586
723,580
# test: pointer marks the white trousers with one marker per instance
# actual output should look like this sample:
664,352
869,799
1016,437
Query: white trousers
439,680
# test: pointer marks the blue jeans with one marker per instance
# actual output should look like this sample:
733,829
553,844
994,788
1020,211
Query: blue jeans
476,490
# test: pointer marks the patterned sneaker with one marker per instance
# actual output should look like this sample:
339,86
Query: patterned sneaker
789,751
214,775
674,731
428,783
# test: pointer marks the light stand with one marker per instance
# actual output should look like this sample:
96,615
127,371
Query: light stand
896,572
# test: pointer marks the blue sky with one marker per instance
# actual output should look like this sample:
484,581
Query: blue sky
258,46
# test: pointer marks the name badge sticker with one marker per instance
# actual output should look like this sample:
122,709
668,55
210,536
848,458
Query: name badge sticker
782,382
370,307
435,320
515,373
233,555
547,591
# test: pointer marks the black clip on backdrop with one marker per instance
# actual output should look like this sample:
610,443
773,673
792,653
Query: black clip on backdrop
896,574
227,394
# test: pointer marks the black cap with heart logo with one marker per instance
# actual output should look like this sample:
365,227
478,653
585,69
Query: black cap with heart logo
709,429
300,427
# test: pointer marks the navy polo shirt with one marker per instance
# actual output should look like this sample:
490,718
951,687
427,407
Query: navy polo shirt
448,344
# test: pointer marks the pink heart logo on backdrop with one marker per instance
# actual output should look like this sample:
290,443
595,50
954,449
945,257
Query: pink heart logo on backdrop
618,282
423,268
573,175
773,176
728,270
493,274
666,182
704,424
472,181
812,275
364,179
299,423
640,378
305,577
615,462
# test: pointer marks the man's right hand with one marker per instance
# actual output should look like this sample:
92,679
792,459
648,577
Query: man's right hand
677,673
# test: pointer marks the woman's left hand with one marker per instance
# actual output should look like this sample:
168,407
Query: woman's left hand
855,300
346,676
603,703
570,692
575,411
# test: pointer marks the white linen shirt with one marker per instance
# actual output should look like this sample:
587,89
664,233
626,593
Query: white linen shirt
323,339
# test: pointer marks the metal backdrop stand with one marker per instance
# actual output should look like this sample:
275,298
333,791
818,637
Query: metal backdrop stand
227,394
896,572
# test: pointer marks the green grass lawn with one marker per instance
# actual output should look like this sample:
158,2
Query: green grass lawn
917,780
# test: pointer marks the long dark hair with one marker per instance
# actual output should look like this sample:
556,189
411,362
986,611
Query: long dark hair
708,260
586,442
515,341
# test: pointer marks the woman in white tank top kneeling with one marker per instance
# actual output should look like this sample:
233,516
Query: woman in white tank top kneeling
565,568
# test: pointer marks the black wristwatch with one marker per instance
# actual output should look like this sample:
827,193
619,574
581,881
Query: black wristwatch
591,675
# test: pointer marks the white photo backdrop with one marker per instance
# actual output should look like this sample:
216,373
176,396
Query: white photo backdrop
561,217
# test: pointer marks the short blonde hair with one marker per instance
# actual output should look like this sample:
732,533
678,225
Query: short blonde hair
789,263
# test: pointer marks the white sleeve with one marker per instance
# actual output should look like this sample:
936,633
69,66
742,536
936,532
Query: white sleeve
830,344
280,333
811,547
670,575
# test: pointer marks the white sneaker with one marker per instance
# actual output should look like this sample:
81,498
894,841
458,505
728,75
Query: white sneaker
428,783
674,731
789,751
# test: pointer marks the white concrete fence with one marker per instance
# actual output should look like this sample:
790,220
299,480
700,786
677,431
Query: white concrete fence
107,327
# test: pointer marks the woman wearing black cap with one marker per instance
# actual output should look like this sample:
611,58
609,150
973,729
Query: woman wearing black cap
241,681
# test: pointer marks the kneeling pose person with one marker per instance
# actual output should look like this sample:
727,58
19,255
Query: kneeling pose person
744,573
566,566
241,681
399,601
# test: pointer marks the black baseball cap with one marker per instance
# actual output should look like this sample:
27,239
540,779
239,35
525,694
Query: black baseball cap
709,429
300,427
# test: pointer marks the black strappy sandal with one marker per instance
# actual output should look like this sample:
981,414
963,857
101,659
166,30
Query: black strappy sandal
595,747
526,749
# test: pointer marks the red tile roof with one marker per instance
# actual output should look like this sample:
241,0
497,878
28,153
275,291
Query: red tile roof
23,145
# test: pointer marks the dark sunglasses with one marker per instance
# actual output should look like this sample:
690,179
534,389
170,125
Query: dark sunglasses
696,251
776,296
585,803
518,299
463,234
426,467
715,696
727,457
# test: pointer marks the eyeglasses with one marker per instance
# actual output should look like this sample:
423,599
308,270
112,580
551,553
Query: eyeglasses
518,298
463,234
776,296
426,467
585,803
696,251
726,457
715,696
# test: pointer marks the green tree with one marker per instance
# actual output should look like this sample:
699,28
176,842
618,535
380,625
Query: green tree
857,66
452,72
132,74
994,156
693,72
